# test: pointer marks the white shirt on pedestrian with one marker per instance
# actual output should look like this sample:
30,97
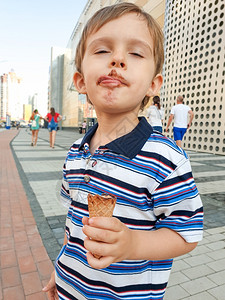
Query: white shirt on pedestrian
155,115
180,112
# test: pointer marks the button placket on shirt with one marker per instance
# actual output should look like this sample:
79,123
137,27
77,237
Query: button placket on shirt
89,164
91,161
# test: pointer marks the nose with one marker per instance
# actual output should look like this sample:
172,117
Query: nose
117,64
118,60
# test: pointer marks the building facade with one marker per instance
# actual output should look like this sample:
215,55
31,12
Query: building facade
56,79
194,66
11,96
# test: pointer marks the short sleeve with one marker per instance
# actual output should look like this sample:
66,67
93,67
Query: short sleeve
177,204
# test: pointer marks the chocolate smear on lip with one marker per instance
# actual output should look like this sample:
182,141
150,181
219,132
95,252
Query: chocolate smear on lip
113,74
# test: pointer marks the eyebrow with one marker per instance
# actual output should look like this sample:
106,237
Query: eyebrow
132,42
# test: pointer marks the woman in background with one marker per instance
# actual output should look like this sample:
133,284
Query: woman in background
155,114
52,118
35,117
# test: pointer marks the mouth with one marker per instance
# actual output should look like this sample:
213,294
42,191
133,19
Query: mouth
112,81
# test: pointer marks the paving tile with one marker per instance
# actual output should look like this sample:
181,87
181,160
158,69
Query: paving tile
199,259
177,278
201,296
218,292
198,285
217,265
216,245
218,254
216,237
31,283
39,254
20,236
200,249
175,293
10,277
218,278
8,259
45,269
6,243
13,293
198,271
180,265
27,264
37,296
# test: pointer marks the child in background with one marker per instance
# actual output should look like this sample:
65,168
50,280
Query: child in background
158,213
52,118
155,114
35,117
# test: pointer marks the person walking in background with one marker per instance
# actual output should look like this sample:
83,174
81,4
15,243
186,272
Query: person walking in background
52,118
35,117
84,126
155,114
158,213
180,113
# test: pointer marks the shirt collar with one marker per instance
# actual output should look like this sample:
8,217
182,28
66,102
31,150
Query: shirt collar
128,145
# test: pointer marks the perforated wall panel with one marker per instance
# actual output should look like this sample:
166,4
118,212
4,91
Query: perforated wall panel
195,68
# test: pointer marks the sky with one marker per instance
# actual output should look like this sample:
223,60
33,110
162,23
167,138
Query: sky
28,30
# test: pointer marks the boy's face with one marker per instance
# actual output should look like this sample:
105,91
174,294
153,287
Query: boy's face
118,66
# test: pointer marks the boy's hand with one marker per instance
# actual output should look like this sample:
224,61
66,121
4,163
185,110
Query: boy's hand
50,288
108,238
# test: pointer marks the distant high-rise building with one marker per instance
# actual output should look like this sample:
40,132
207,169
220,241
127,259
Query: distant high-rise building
11,96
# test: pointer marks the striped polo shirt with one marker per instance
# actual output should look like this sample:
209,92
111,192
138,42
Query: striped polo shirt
152,180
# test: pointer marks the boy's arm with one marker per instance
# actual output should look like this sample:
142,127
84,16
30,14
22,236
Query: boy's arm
160,244
116,242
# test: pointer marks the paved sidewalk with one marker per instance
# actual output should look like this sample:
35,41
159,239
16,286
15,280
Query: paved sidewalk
199,275
24,262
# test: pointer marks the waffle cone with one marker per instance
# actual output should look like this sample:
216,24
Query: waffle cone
101,206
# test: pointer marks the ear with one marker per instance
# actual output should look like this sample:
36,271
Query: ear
155,85
78,80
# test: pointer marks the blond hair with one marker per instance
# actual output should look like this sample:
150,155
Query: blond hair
109,13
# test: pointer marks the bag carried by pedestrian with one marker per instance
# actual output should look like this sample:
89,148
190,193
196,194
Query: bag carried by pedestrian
34,123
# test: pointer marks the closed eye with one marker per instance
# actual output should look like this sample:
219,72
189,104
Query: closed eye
101,51
137,54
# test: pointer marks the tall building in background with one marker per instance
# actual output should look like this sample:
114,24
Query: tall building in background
11,96
56,79
3,96
27,112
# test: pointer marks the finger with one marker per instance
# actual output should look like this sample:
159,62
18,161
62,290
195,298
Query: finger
100,235
101,263
51,295
110,223
85,220
100,248
56,295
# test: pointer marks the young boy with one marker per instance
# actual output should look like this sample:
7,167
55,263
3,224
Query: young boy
158,213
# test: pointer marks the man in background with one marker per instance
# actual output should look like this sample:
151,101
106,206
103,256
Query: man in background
183,116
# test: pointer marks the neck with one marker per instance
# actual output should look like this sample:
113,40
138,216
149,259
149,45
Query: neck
111,127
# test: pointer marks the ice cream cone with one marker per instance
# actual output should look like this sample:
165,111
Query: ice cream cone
101,206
